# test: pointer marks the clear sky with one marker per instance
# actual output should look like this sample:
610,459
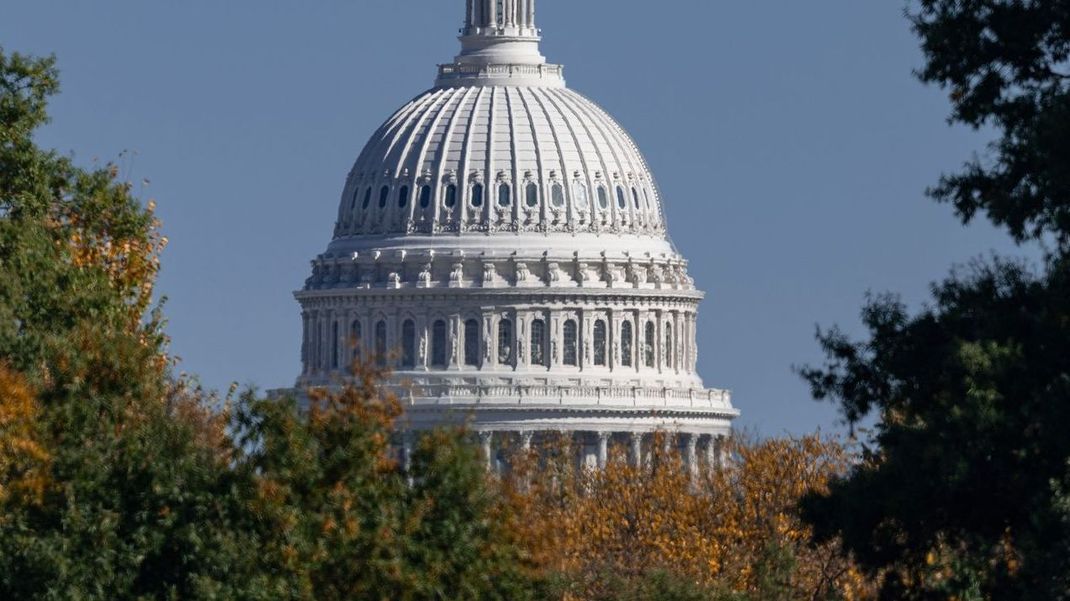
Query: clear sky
790,140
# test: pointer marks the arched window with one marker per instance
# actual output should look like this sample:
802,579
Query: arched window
477,195
603,198
626,344
538,342
648,344
533,195
558,195
451,196
356,338
438,344
367,198
380,343
669,350
570,340
335,350
384,194
505,342
646,197
471,342
600,342
635,198
504,195
425,197
403,197
621,203
408,344
579,193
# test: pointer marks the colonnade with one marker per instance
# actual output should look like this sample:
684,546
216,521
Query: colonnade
607,340
592,449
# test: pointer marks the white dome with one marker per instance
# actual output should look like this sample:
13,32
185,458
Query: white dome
501,244
500,159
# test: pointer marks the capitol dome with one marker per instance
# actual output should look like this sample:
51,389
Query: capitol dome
501,244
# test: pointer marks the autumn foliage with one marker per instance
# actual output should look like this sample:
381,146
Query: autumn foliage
732,532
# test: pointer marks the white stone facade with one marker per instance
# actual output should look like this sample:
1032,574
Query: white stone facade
500,241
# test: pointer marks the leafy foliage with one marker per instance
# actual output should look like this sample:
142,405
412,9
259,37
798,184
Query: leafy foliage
338,517
121,482
661,531
957,497
1007,65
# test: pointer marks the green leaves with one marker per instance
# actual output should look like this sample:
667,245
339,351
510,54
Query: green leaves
1005,63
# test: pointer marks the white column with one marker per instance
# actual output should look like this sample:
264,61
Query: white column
603,449
637,449
691,457
525,440
406,450
486,442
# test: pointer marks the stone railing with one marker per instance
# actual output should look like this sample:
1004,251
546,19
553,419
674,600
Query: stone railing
608,397
459,70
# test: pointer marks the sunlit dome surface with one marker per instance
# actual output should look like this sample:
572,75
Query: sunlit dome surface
500,159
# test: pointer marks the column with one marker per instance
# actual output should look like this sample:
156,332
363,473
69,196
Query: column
677,342
636,441
486,442
603,449
407,438
304,342
691,456
525,440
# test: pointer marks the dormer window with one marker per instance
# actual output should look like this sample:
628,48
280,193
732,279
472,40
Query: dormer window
425,197
579,191
477,195
403,197
533,195
384,194
451,196
558,195
504,195
603,198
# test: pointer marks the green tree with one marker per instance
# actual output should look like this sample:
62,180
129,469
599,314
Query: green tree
118,481
118,487
955,497
339,517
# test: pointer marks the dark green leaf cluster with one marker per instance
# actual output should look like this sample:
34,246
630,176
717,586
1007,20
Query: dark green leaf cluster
1007,65
959,495
972,396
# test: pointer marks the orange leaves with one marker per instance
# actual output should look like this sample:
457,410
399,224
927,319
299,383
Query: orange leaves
23,461
716,528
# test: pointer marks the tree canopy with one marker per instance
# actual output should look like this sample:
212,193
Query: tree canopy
959,494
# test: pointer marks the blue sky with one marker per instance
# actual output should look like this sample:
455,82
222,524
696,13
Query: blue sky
790,140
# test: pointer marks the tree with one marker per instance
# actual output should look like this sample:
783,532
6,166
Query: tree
338,516
661,531
955,495
120,481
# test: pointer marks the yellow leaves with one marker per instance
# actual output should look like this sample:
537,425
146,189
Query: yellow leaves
23,461
714,528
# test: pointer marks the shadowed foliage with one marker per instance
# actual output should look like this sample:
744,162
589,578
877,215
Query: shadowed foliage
959,493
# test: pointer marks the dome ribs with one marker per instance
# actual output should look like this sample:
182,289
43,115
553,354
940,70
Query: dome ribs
464,185
447,219
562,158
580,151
